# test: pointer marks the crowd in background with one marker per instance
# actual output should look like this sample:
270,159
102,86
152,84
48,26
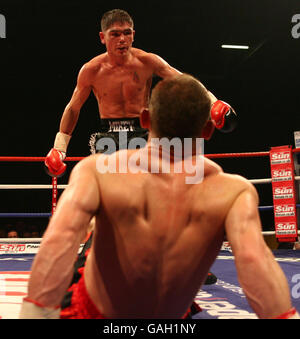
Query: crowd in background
33,229
21,229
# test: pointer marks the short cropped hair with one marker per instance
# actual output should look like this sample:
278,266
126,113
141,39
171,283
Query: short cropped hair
179,107
113,16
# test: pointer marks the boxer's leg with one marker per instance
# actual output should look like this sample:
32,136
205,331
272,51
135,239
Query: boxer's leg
98,144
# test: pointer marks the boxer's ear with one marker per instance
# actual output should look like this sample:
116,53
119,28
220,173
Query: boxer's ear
145,118
102,38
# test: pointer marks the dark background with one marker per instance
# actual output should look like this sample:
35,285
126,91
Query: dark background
48,41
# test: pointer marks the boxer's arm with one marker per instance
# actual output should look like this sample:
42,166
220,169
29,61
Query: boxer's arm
81,93
53,265
164,70
160,67
260,276
54,159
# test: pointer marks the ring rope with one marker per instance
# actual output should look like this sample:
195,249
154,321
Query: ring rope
211,156
43,187
34,159
75,159
271,233
20,240
27,187
25,215
48,215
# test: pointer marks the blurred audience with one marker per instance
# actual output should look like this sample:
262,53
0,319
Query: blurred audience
22,229
26,234
3,233
12,234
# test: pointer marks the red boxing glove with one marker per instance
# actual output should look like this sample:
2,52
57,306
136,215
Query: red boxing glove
55,166
223,116
208,130
291,314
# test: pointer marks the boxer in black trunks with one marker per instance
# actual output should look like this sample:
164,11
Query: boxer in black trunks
120,80
121,131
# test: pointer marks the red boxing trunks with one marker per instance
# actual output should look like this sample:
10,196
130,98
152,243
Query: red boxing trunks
81,305
77,303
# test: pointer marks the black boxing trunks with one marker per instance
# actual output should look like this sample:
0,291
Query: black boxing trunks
116,134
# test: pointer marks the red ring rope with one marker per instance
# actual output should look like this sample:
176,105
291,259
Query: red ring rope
210,156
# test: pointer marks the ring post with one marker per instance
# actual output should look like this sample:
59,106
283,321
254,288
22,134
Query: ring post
284,193
54,194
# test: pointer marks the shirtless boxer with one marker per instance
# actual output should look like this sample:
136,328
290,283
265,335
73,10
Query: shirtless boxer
120,79
155,236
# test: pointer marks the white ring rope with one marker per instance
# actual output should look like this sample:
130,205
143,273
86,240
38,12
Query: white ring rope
271,233
43,187
20,240
27,187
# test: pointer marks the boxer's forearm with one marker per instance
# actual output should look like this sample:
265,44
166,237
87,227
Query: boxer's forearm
260,276
264,285
69,120
52,271
53,266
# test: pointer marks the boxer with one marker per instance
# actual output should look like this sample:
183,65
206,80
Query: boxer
121,80
155,236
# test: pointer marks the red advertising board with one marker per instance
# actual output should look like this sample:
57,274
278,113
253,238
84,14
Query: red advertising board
284,193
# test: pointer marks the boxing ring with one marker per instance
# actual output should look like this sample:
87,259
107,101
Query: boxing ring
223,300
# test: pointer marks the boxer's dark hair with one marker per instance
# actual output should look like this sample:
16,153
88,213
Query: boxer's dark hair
113,16
179,107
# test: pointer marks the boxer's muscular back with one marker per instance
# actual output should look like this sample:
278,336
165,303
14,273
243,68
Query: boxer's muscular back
155,239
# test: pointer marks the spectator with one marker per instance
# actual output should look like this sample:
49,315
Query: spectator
20,227
27,234
2,233
35,234
12,234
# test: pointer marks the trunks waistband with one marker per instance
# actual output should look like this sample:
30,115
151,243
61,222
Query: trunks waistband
119,125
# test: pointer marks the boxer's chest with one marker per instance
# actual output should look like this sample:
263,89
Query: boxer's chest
122,83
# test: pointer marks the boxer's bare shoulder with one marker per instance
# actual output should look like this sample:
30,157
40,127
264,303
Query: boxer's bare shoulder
88,163
93,66
213,169
147,58
156,63
226,186
91,70
139,53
